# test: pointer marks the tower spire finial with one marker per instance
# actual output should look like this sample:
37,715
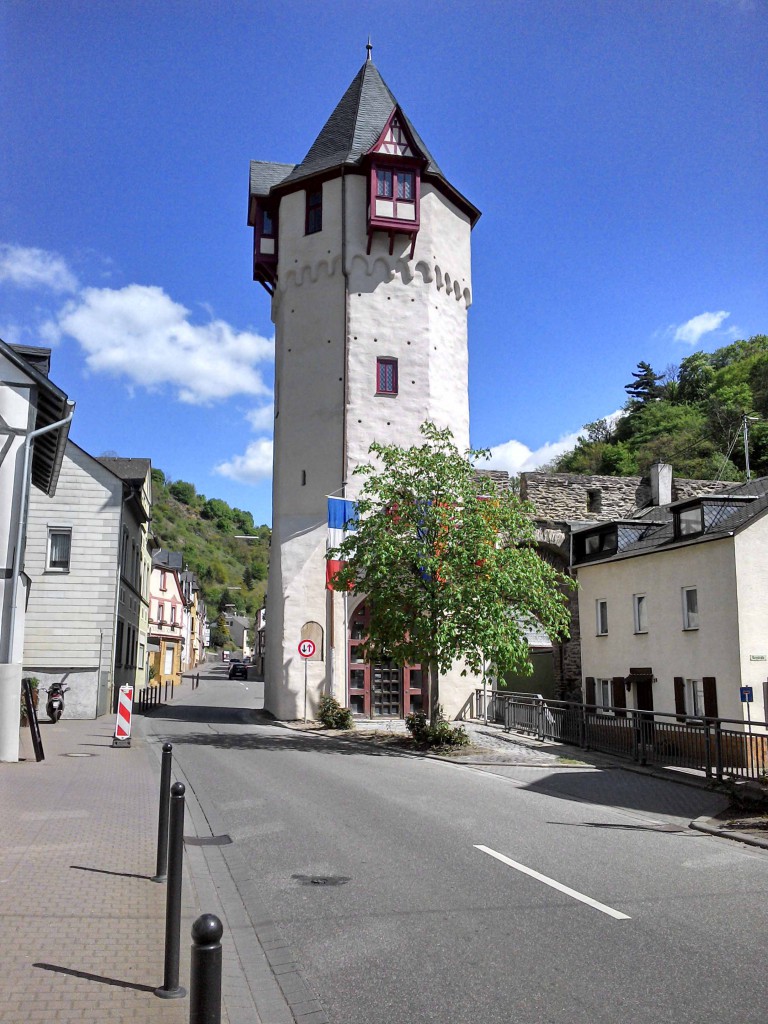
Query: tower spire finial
369,47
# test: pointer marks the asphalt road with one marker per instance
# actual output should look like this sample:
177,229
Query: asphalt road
418,891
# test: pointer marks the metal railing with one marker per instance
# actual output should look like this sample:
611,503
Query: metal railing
720,747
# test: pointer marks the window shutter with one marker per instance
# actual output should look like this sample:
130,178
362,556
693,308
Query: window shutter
619,695
679,695
710,696
589,684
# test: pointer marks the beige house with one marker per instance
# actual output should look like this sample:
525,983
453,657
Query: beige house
672,605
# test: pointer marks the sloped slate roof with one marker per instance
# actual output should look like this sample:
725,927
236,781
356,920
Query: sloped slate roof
130,470
265,175
659,537
354,126
53,406
347,136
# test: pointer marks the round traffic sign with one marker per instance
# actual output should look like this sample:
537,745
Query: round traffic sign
307,648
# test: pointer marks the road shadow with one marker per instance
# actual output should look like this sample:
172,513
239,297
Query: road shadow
282,739
210,715
631,790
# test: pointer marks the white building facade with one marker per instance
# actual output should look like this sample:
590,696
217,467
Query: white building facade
672,607
365,250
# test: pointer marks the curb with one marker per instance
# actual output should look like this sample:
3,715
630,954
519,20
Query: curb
707,826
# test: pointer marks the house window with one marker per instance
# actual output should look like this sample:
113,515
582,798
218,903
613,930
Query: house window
640,612
690,608
689,522
267,224
694,698
119,644
386,376
603,694
59,550
163,580
314,211
594,501
160,611
601,616
141,656
173,614
395,193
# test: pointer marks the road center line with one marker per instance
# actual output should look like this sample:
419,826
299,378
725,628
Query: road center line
555,885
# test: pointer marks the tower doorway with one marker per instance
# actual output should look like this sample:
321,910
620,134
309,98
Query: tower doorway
379,689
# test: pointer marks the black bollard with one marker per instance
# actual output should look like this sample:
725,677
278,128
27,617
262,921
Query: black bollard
162,820
170,988
205,971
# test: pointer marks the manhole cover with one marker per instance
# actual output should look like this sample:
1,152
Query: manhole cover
80,755
207,840
321,879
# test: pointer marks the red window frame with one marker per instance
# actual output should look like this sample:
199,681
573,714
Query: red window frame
386,376
390,183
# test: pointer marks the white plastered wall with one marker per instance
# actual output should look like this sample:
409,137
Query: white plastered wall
711,650
751,547
414,310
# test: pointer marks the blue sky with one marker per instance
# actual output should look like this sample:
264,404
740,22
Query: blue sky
617,148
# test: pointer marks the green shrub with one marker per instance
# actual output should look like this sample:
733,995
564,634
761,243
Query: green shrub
435,734
333,715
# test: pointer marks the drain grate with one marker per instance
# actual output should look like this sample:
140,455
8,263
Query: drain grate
321,879
208,840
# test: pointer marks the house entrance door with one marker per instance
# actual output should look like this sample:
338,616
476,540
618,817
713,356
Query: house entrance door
379,689
386,690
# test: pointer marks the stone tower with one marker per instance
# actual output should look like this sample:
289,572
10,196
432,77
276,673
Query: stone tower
364,247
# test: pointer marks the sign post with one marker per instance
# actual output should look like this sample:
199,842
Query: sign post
306,650
747,696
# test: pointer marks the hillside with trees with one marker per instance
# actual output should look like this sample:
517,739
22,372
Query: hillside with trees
207,531
691,416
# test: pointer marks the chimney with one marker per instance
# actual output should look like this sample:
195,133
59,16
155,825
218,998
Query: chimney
661,483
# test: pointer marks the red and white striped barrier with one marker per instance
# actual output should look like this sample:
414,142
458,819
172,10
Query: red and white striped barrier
122,737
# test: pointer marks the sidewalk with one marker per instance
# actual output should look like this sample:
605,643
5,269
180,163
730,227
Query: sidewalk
85,925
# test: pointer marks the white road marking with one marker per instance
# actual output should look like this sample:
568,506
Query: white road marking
555,885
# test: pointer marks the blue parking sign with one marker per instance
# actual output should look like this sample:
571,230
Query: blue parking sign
746,694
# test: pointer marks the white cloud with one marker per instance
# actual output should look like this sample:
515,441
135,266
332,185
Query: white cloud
516,457
35,268
262,419
694,329
254,465
140,333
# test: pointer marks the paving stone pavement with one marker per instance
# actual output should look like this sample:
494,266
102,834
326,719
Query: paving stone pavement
84,924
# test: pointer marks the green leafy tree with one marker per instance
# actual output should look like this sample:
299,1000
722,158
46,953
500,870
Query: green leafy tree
447,564
183,492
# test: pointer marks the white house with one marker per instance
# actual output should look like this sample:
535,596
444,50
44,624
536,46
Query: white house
364,247
34,423
672,606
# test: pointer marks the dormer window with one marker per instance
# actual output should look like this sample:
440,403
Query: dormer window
704,515
395,183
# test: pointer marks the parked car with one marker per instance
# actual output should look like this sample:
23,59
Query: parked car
237,670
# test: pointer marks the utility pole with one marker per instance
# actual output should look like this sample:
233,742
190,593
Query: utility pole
745,427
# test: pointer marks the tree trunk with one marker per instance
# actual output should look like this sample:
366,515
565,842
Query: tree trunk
434,691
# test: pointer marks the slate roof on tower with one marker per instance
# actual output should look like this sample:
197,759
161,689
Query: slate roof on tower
347,136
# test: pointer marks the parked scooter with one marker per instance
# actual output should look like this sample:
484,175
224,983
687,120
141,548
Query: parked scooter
55,704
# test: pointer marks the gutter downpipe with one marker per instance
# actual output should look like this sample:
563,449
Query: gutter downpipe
23,516
345,274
